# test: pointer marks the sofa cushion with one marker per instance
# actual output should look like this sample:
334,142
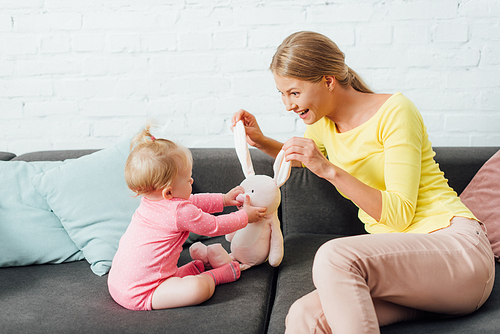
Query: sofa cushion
30,233
93,202
310,204
482,197
295,274
68,298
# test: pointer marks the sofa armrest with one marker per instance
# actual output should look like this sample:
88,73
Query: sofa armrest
53,155
6,156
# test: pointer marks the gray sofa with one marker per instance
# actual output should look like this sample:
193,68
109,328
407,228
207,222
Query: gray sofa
70,298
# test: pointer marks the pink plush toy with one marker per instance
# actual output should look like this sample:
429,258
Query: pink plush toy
259,241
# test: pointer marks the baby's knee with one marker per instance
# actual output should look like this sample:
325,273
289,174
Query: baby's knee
204,288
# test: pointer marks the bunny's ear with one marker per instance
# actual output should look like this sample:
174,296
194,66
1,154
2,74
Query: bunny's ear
240,144
281,169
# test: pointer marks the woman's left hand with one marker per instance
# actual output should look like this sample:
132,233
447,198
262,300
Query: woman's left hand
305,151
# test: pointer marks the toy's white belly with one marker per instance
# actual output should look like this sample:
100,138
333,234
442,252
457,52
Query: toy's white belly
253,243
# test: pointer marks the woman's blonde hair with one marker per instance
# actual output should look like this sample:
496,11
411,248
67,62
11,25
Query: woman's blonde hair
310,56
154,163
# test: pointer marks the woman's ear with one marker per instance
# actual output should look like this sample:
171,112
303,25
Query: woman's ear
330,82
167,193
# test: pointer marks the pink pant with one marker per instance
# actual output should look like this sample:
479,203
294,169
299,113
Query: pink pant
367,281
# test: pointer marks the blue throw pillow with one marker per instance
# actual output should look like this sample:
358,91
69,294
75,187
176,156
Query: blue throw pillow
93,202
30,233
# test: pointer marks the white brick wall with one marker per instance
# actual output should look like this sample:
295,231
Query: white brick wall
87,74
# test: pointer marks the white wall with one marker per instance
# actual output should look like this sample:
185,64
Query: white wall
86,74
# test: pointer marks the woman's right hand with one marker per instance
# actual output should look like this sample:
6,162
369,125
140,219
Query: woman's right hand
254,135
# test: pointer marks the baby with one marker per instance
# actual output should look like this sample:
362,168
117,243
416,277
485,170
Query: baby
144,274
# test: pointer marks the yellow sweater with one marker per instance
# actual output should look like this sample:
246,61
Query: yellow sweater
392,152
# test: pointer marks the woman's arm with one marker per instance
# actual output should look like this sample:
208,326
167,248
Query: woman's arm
306,152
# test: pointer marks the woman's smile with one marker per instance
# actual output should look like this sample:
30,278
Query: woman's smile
302,113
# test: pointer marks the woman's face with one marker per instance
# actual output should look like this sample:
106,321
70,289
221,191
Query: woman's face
307,99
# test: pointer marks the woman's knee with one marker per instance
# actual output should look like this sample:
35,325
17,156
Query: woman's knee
334,257
299,308
306,315
336,252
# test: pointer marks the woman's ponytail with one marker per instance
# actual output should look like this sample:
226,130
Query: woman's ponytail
357,83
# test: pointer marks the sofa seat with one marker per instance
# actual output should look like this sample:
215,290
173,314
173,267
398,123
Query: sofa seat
69,298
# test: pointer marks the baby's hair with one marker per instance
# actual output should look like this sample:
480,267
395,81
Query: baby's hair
154,163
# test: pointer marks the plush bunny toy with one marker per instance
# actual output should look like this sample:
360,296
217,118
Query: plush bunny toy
261,240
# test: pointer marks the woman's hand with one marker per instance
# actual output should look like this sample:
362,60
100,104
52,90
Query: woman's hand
230,197
306,152
254,134
255,137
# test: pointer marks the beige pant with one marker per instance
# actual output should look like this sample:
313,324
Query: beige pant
367,281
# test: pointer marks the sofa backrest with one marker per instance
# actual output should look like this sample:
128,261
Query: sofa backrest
313,205
309,204
218,170
460,164
214,169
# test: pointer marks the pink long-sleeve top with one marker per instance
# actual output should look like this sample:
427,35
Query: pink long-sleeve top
150,248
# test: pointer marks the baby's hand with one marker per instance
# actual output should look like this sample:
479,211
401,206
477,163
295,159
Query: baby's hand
230,197
254,213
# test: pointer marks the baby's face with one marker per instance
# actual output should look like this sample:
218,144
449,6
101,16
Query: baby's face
182,185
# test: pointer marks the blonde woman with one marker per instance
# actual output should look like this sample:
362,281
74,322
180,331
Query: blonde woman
425,250
144,273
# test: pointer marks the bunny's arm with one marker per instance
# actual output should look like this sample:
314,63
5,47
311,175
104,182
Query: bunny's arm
276,250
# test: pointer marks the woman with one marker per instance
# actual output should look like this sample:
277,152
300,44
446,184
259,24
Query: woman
426,251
